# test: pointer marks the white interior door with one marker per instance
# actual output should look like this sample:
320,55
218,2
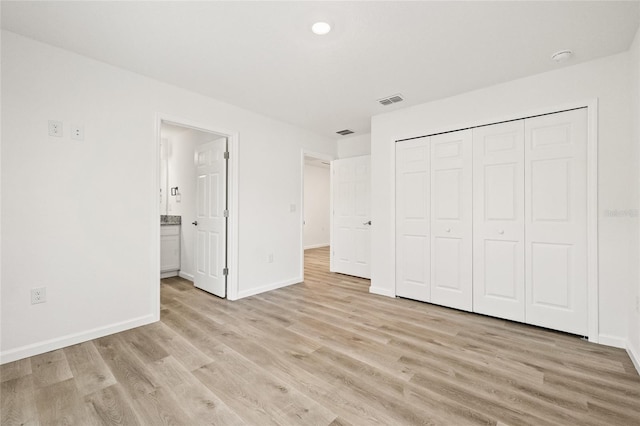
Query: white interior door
556,221
210,221
451,220
351,221
498,224
412,219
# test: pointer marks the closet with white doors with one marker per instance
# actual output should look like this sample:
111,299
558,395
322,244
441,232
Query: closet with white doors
434,221
493,220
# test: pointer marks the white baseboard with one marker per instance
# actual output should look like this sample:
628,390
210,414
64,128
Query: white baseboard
268,287
188,277
616,342
312,246
168,274
635,357
72,339
381,291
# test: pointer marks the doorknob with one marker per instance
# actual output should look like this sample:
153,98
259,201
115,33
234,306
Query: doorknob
448,230
501,231
195,222
367,223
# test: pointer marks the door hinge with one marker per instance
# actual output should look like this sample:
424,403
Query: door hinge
226,155
225,271
226,213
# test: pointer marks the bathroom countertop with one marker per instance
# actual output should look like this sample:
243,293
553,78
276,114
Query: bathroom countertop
170,220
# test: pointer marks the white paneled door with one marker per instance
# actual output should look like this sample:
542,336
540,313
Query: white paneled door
210,220
498,224
451,219
413,219
351,220
556,221
494,220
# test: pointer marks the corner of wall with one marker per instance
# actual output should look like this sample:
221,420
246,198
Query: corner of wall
381,291
633,338
354,146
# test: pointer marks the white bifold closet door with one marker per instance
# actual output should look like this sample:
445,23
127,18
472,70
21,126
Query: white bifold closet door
517,247
498,224
556,221
451,220
434,219
412,219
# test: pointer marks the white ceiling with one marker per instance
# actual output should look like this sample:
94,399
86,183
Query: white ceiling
262,55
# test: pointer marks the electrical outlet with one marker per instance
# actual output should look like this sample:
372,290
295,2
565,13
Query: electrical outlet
270,258
55,128
77,132
38,295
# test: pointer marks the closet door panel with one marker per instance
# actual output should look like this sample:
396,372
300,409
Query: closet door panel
412,219
451,220
498,226
556,222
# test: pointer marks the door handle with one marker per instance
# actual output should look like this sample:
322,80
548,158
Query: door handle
448,230
195,222
367,223
501,232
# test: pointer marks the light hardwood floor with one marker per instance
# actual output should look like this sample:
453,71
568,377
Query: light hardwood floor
325,352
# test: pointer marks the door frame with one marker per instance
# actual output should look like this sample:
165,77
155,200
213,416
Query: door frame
320,156
592,196
232,194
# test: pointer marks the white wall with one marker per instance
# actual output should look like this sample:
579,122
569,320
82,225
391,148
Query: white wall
354,146
634,284
183,173
606,79
316,206
81,218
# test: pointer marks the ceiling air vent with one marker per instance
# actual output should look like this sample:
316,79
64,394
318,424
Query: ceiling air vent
391,99
345,132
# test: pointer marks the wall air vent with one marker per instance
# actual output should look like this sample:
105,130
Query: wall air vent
391,99
345,132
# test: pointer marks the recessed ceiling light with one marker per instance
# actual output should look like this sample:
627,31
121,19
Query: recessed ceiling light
562,55
321,28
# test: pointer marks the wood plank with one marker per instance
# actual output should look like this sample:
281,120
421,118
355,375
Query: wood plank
112,407
201,404
61,404
17,402
177,346
15,369
88,368
50,368
256,395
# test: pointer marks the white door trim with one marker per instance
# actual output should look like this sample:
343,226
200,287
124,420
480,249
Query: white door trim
592,191
232,192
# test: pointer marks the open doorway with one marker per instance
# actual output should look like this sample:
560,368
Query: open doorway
316,224
194,205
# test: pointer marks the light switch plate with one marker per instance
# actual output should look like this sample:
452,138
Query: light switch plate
55,128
